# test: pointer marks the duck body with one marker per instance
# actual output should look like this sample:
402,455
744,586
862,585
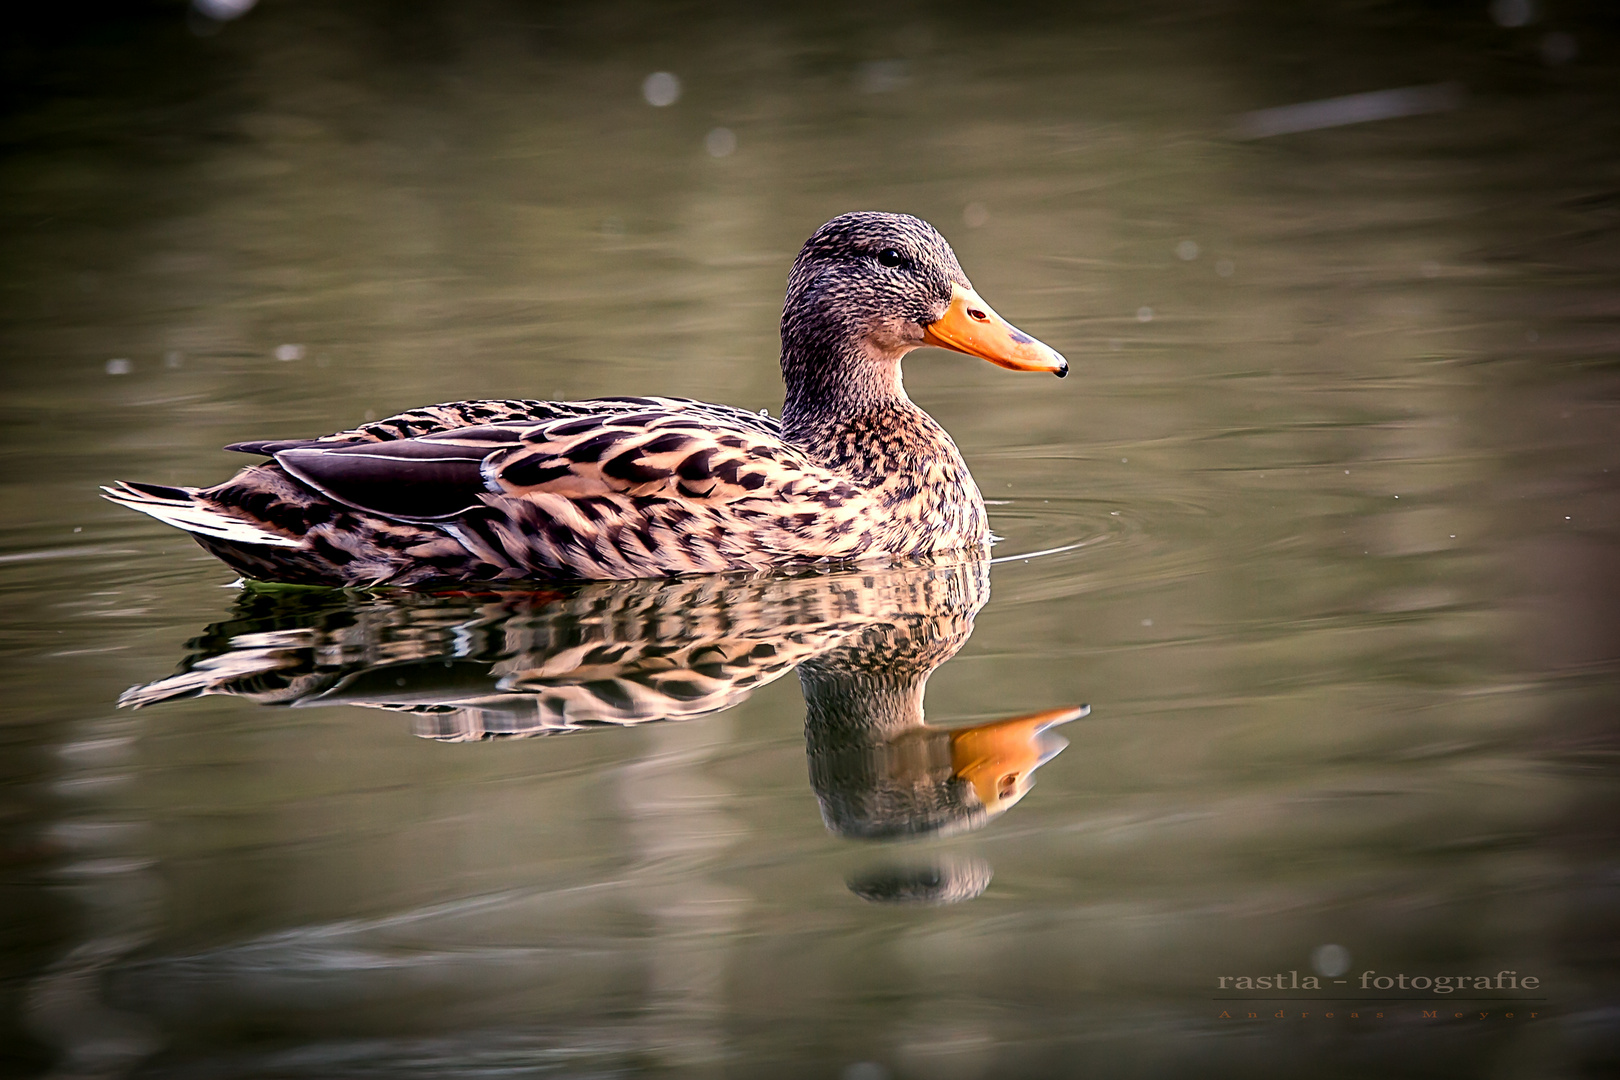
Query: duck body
633,487
610,488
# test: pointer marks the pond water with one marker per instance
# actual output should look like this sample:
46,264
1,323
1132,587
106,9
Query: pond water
1325,531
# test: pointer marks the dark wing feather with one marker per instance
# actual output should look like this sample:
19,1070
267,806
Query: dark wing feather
270,447
431,478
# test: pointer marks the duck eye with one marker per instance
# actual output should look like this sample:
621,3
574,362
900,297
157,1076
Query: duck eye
889,257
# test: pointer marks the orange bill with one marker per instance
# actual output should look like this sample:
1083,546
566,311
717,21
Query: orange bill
972,326
999,758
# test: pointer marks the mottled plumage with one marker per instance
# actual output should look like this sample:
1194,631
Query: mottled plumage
632,487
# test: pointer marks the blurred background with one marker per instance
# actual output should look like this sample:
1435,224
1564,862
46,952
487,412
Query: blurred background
1325,529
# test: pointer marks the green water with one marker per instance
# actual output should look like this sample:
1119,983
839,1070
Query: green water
1324,528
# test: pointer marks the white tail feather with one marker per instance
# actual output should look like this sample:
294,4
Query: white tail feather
195,518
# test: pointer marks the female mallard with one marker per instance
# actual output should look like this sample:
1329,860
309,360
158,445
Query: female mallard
634,487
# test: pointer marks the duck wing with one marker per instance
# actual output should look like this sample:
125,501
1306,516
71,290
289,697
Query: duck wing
634,487
430,478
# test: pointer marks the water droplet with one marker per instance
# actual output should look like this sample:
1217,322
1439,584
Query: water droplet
721,142
1513,12
660,89
1559,48
864,1070
289,352
1330,960
881,76
1224,267
119,367
1144,314
223,10
975,214
1187,250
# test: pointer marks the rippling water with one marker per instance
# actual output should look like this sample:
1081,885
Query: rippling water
1324,531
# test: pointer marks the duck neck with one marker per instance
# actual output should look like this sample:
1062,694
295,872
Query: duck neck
846,702
839,389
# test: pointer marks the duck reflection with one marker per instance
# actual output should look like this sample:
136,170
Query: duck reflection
944,879
515,664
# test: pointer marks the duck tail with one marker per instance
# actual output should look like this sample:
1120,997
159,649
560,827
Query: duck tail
180,507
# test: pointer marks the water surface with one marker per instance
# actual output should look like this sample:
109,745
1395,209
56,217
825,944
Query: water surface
1323,529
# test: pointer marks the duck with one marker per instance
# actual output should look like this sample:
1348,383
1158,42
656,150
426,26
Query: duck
851,473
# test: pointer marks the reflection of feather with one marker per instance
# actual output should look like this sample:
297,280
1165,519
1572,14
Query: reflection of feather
266,667
518,663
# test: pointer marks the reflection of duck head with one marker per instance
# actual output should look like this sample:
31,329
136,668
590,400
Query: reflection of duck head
506,663
998,759
948,878
880,771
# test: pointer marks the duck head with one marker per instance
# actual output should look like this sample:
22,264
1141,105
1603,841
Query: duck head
870,287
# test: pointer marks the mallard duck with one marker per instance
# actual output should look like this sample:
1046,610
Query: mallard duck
633,487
